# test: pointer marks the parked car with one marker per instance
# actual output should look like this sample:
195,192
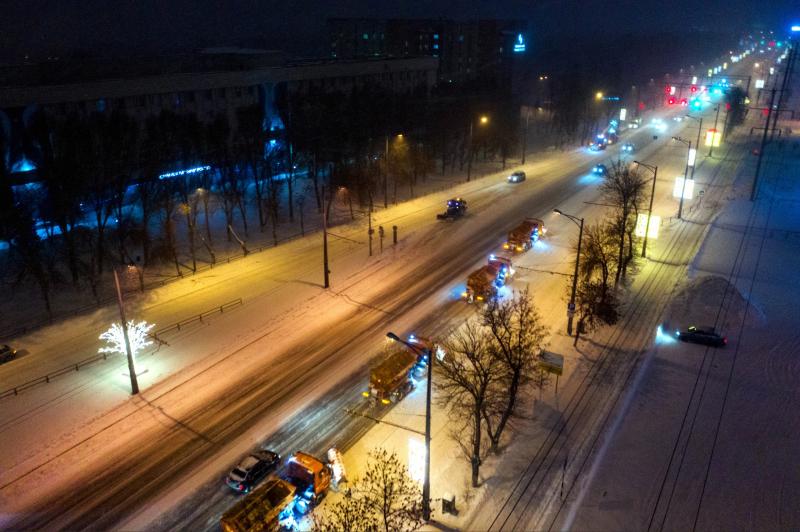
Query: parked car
702,335
628,147
7,353
252,470
599,169
517,177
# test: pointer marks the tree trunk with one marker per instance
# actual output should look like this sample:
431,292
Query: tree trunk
190,227
513,390
476,446
205,216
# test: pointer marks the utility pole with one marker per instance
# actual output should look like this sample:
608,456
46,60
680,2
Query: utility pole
696,145
763,145
370,231
685,173
711,147
131,368
426,484
525,133
326,283
386,175
784,86
571,306
469,151
653,169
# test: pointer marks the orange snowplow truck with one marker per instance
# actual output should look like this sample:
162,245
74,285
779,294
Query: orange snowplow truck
523,236
261,510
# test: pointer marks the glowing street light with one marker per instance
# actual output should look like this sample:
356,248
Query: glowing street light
483,120
598,96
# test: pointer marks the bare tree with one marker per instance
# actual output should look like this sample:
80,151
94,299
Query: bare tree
347,514
390,494
623,187
594,307
386,498
519,334
597,252
466,377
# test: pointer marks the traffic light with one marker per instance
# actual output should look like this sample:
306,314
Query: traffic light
671,100
667,89
693,89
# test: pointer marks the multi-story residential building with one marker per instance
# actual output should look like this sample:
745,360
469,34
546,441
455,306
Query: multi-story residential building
217,81
484,50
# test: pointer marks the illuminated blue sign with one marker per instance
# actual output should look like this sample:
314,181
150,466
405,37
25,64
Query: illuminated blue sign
23,165
795,28
519,46
177,173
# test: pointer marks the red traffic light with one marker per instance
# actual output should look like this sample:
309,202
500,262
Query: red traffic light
727,106
671,100
765,111
693,89
684,101
667,89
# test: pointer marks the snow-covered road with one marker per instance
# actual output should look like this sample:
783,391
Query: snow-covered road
96,456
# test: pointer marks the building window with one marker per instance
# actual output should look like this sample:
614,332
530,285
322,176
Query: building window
460,38
436,46
101,106
436,36
366,36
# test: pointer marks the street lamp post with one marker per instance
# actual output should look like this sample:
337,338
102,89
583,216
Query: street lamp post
386,175
716,119
685,173
697,142
525,133
426,484
131,368
483,120
653,169
571,308
326,272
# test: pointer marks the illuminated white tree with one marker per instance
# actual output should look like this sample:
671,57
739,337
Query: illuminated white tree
137,336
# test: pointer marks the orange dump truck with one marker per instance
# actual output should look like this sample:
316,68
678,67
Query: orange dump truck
523,236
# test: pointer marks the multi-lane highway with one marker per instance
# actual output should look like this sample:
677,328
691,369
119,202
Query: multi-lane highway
284,365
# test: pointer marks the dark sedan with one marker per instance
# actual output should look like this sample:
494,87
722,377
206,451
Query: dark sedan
701,335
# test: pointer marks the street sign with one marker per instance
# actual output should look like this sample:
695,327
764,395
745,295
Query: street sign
552,363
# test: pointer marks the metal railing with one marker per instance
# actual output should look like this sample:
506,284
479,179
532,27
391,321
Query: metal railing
96,358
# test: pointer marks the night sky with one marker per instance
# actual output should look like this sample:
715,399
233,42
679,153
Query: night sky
95,27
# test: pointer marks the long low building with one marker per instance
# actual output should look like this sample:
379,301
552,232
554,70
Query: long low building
230,80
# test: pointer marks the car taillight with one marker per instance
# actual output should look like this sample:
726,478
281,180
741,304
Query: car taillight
725,341
241,487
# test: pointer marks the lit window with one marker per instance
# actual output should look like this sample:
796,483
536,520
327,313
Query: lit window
435,46
436,36
366,36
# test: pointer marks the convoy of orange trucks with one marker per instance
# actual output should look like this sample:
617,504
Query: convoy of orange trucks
305,480
274,504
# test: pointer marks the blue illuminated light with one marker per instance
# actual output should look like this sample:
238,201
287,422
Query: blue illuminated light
796,27
188,171
23,165
519,46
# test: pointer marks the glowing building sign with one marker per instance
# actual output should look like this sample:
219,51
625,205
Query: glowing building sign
195,170
688,190
641,226
519,46
416,459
